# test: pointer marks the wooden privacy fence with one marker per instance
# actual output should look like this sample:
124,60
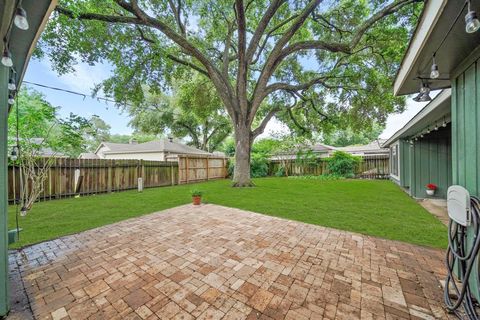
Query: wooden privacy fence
201,168
69,177
371,167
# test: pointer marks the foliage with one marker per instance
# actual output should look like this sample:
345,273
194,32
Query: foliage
431,186
228,147
306,158
42,135
40,127
313,65
343,164
193,110
126,138
258,165
376,208
196,193
349,137
98,132
280,172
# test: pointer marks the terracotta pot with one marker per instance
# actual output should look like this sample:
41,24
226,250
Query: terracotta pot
197,200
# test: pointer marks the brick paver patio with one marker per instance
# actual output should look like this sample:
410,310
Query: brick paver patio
212,262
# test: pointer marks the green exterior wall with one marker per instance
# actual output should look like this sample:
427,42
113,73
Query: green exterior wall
466,129
3,192
431,162
404,163
428,160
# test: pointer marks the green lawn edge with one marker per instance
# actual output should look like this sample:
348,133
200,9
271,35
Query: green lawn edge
373,207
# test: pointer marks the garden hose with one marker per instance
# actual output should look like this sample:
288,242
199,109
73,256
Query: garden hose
462,259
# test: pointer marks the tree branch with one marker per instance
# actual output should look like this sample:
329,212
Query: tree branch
262,26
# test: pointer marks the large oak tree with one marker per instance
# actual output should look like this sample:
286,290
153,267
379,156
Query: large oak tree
303,61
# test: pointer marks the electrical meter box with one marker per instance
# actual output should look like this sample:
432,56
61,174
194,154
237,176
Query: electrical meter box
458,205
459,210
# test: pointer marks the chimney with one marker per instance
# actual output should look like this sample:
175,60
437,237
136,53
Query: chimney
133,141
170,138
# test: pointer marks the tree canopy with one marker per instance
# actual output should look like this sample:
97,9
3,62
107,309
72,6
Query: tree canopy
193,111
308,63
39,126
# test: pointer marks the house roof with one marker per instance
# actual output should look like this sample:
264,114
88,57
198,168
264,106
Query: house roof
320,147
436,111
88,155
162,145
373,147
437,18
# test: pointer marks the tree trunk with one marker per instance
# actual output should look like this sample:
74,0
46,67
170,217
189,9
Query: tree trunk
243,142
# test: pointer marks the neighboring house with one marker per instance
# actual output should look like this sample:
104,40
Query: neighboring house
374,148
441,144
158,150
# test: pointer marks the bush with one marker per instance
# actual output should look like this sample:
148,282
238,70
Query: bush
280,172
258,166
342,164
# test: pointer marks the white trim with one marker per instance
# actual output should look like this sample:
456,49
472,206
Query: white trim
431,13
430,107
395,145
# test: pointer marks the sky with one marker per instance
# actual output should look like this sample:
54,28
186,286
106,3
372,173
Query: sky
85,77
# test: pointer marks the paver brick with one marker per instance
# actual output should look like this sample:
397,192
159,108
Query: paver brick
212,262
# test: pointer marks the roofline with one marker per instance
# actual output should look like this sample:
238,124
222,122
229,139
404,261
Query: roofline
432,105
99,146
46,17
152,151
430,15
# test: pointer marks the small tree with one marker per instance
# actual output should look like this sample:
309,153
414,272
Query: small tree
38,136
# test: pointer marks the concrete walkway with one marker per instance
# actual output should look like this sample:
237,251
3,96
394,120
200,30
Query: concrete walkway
212,262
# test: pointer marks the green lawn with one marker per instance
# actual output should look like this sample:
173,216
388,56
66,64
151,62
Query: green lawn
377,208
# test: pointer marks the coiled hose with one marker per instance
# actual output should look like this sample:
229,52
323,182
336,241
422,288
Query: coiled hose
462,259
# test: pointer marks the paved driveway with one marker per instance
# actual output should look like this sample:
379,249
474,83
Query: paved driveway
212,262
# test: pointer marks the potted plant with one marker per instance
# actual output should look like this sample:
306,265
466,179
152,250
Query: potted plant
197,197
431,189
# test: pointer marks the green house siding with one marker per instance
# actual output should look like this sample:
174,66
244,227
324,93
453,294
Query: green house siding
431,162
465,128
404,164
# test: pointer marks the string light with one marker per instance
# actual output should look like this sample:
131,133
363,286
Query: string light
7,57
20,19
434,74
11,99
471,20
11,84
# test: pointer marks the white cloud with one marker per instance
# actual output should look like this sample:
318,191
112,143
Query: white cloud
84,78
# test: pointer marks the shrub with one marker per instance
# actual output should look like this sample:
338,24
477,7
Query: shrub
258,165
280,172
342,164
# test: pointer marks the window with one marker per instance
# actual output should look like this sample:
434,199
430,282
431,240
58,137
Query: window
394,160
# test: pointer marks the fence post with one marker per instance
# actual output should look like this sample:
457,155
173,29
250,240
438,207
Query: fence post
207,160
172,175
186,170
109,176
